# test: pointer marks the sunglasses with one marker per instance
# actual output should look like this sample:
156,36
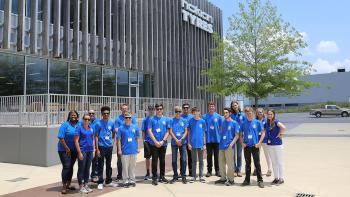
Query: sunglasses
159,109
186,107
91,113
86,119
105,113
127,117
177,111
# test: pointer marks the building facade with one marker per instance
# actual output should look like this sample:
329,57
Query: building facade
131,48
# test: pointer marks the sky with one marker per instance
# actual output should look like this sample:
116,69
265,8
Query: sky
325,25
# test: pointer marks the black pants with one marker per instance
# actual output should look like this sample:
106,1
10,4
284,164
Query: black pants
119,166
106,153
67,165
248,153
158,153
213,148
189,161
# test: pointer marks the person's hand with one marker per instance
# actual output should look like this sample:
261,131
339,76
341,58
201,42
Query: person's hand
280,135
161,143
81,157
189,147
178,142
204,147
68,152
258,145
138,150
230,146
120,152
158,144
98,153
244,145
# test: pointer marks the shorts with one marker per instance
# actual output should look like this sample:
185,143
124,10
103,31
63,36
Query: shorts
147,150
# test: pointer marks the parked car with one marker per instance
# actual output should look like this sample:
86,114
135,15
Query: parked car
330,110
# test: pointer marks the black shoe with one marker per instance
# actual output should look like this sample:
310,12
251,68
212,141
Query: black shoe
133,184
184,181
274,182
154,182
245,183
261,184
147,177
208,174
217,174
254,173
220,181
230,183
281,181
163,180
173,180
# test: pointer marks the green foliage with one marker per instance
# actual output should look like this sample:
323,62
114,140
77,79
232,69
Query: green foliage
261,55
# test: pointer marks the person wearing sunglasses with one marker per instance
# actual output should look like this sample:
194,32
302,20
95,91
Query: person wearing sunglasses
158,130
128,135
187,116
105,138
146,140
94,164
178,132
213,121
84,143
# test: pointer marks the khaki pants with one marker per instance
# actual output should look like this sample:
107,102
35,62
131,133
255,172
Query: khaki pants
129,164
226,158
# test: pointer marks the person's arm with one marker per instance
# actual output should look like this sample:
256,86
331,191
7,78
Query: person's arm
77,146
165,138
171,132
184,136
241,139
282,129
150,133
61,136
189,139
96,141
119,147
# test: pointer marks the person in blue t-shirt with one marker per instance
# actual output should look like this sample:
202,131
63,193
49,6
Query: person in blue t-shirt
197,143
128,134
275,131
85,145
240,117
178,132
146,140
213,121
158,131
105,138
94,164
249,138
228,137
187,116
66,149
119,121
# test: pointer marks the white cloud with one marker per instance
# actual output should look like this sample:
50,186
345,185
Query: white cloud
324,66
327,47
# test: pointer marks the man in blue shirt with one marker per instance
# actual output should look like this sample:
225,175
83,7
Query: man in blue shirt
228,137
187,116
158,131
105,138
213,121
119,121
94,164
197,143
251,143
128,135
178,132
146,140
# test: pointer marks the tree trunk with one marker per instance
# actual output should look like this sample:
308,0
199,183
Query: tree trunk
256,102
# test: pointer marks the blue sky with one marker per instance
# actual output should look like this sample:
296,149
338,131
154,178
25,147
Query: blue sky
325,23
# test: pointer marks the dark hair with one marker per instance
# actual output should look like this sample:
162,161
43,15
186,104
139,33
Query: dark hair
272,124
234,101
124,104
228,109
194,109
211,103
70,113
158,105
84,116
183,105
105,108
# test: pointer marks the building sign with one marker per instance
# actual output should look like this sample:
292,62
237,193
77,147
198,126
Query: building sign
198,18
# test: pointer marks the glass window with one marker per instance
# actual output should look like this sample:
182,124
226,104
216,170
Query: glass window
94,82
133,78
11,74
58,77
36,75
142,85
109,82
123,83
77,79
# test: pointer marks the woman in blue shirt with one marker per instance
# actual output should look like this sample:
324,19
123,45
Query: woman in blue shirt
66,149
84,143
274,131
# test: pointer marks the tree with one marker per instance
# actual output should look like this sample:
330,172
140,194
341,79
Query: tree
260,56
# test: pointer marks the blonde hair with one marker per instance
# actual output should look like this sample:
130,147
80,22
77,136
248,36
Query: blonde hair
178,108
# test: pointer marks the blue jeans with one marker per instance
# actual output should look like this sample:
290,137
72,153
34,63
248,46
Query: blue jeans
105,153
182,149
237,157
84,168
67,165
94,167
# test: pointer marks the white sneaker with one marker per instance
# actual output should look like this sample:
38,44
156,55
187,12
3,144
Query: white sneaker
192,180
100,186
111,184
83,190
88,188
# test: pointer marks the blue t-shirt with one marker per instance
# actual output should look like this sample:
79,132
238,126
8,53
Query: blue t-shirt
213,122
228,132
159,126
187,117
251,130
86,138
240,117
272,134
144,128
178,126
128,138
197,129
67,132
105,129
121,120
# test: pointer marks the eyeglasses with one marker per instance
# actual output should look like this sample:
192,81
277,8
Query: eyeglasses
177,111
159,109
87,119
127,117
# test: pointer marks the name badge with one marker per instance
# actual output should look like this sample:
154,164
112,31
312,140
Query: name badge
200,125
158,130
129,139
109,128
215,120
224,137
269,141
254,126
178,134
107,137
164,122
229,128
250,136
259,133
240,117
212,127
182,124
133,130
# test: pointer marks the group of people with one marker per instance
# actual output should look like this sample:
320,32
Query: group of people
90,141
